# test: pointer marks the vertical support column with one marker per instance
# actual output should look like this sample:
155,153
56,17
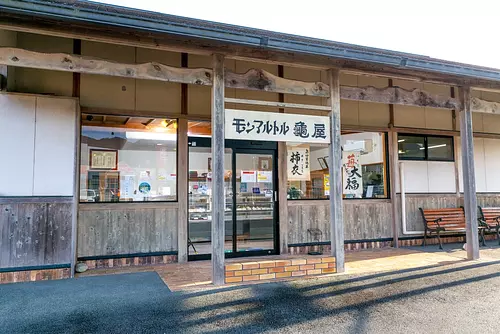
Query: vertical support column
283,200
76,193
393,163
218,170
469,176
282,183
182,190
182,173
336,209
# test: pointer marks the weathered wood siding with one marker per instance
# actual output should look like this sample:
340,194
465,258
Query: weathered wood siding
126,229
414,220
369,219
34,232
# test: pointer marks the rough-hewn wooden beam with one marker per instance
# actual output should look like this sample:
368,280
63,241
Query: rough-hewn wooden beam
83,64
398,95
256,79
483,106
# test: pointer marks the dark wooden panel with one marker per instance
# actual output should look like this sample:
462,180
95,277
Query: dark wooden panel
414,221
362,220
136,230
35,233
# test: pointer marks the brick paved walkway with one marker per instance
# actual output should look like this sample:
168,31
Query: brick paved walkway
195,275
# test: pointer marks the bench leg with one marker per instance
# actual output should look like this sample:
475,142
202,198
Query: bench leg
425,238
439,239
498,233
481,234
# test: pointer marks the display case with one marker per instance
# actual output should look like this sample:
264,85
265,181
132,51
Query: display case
249,207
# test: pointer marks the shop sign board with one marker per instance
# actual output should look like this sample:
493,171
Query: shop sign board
267,126
298,166
352,180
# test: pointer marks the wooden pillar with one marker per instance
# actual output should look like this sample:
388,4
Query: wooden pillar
283,200
393,163
218,197
469,176
282,183
182,173
336,209
76,193
182,190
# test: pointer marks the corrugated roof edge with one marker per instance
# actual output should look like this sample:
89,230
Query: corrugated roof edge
94,12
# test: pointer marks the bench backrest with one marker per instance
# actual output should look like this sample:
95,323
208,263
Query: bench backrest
490,214
450,217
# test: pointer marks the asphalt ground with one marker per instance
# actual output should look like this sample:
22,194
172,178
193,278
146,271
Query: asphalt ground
450,298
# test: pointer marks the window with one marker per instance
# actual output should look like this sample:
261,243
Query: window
128,159
420,147
364,172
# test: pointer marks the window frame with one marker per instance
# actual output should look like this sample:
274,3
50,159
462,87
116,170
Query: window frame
387,177
426,146
80,202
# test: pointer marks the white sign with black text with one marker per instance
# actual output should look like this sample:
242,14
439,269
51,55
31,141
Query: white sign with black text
352,180
268,126
298,164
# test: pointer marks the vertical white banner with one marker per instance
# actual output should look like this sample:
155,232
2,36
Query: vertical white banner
352,177
299,165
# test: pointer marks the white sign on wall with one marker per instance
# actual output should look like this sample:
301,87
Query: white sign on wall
352,180
267,126
298,166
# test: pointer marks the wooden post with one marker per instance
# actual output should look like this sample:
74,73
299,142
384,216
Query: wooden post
182,190
282,182
182,173
336,209
76,192
393,163
469,176
218,197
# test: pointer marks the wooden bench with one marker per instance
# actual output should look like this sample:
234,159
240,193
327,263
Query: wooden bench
449,221
490,219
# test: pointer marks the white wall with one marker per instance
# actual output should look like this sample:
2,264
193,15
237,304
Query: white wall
486,164
37,145
428,177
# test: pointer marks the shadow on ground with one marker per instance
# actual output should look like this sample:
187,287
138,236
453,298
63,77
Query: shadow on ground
140,303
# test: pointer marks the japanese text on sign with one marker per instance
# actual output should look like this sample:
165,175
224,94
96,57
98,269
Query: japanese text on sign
298,164
266,126
352,180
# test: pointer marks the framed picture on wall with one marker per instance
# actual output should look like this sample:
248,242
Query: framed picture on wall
104,159
264,163
322,163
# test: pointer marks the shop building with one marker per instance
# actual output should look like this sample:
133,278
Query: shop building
134,138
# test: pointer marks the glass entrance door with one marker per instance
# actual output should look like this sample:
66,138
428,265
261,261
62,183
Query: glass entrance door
250,194
254,225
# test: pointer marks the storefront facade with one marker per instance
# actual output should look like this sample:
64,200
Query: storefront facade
115,165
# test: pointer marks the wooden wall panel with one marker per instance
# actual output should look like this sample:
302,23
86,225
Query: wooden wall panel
29,80
362,220
129,230
157,95
488,200
199,97
414,220
34,233
104,91
368,219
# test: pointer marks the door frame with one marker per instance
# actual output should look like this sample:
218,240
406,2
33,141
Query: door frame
243,147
